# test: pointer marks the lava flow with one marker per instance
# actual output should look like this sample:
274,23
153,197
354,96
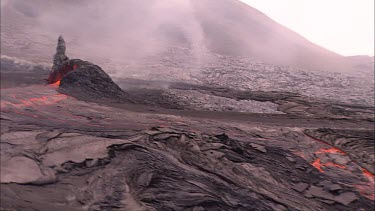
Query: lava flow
56,75
31,99
318,165
332,150
366,188
44,100
368,175
57,83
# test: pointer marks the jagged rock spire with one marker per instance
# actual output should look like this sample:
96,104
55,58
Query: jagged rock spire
61,45
59,57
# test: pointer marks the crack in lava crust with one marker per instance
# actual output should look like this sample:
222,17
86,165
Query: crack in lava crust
330,155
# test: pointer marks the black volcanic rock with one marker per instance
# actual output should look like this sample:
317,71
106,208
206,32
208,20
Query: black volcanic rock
88,81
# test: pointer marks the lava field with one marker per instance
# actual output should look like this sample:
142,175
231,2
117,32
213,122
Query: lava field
191,106
82,145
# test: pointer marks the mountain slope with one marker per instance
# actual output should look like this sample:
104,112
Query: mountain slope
130,29
244,31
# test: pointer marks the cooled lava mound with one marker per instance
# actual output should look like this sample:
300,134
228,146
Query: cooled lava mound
85,80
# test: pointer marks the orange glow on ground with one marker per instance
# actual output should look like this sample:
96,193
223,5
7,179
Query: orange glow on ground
20,103
56,75
317,165
57,83
335,165
367,189
368,175
331,150
45,100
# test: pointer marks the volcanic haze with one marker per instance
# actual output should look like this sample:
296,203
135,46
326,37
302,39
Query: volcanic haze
135,29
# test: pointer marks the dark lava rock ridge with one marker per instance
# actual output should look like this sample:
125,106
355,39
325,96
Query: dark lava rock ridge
88,81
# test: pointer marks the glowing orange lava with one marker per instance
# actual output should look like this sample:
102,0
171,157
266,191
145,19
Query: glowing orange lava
57,83
331,150
367,189
20,103
368,175
317,165
44,100
57,75
335,165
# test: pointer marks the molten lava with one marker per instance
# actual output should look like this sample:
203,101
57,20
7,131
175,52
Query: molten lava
368,175
367,189
44,100
56,75
319,165
21,102
57,83
364,188
332,150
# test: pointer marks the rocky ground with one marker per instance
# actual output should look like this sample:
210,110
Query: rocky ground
180,64
190,129
60,152
181,95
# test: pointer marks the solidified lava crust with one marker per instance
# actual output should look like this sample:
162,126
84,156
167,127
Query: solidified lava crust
65,153
80,155
165,169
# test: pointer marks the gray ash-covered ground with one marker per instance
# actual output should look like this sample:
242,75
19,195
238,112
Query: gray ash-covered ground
180,95
60,152
179,64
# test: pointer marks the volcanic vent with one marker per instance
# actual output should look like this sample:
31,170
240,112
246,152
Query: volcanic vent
82,79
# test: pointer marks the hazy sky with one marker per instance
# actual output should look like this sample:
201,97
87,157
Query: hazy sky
343,26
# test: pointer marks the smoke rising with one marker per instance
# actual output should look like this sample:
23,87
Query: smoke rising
117,33
125,30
